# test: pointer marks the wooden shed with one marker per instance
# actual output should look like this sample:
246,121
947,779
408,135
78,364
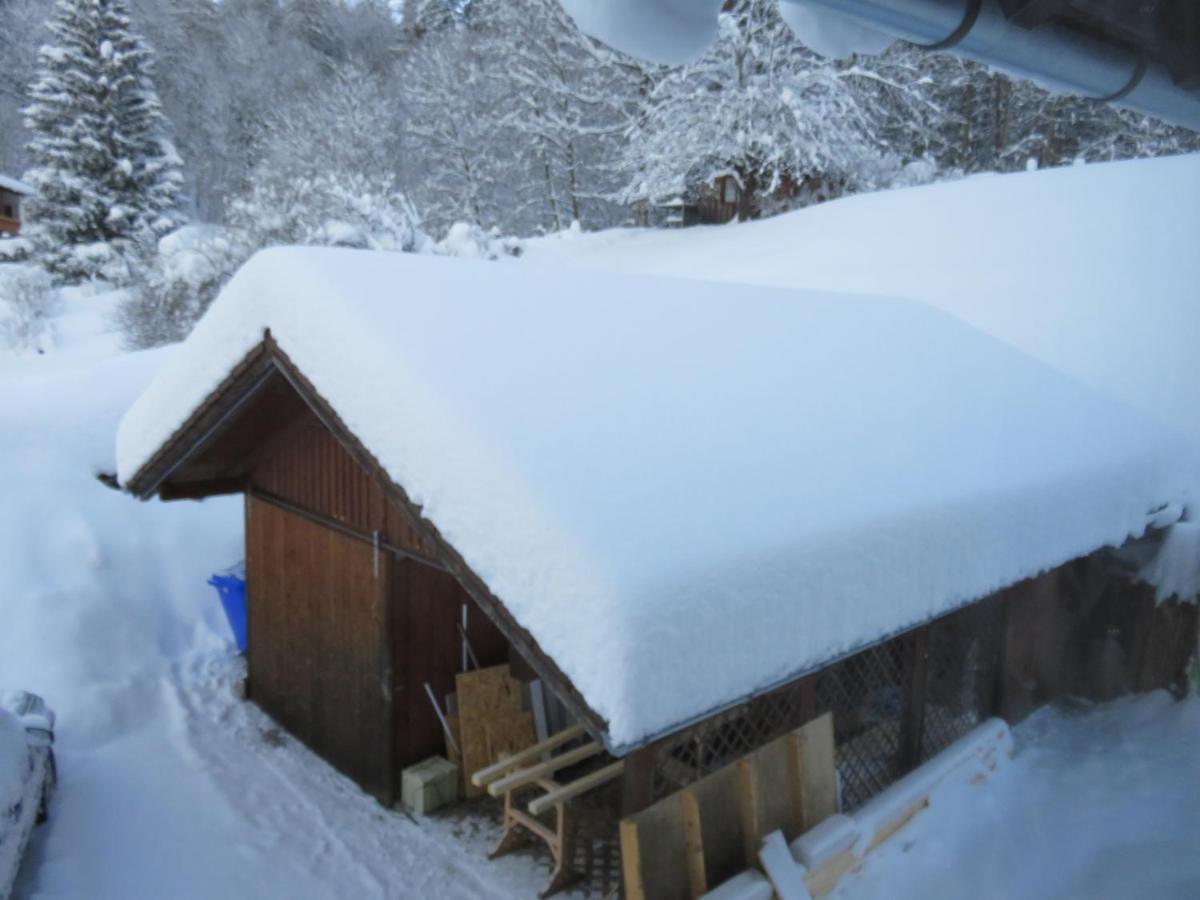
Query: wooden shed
571,522
358,603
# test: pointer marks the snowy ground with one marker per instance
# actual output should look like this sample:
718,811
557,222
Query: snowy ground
1103,803
173,787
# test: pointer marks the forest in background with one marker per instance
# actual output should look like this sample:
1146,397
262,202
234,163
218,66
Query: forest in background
453,126
501,113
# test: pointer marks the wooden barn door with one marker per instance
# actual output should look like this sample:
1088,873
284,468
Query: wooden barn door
427,608
317,629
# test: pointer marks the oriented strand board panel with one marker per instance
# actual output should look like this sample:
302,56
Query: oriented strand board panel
509,735
485,696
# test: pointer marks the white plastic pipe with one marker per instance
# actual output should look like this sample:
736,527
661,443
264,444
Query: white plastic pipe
1053,56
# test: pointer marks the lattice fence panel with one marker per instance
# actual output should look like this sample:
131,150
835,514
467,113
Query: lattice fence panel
964,654
866,693
728,736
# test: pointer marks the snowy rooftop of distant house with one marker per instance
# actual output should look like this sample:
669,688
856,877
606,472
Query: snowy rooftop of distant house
1094,269
11,184
686,491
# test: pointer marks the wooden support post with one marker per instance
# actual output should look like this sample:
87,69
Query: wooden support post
912,730
638,789
795,760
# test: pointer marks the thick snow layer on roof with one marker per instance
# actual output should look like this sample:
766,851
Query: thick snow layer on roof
12,184
687,491
1094,269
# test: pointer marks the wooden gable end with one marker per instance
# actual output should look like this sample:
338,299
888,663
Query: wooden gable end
265,431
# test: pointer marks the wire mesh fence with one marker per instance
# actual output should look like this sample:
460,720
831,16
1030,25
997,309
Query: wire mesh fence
894,705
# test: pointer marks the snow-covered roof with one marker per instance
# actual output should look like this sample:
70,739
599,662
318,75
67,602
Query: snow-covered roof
11,184
1093,269
688,492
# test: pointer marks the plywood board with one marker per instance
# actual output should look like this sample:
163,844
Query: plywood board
509,735
486,697
818,770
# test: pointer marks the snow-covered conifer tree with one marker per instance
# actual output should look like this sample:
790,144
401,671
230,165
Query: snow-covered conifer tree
105,176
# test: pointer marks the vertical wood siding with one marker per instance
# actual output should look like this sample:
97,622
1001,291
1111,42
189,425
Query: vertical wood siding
428,649
316,624
328,641
312,469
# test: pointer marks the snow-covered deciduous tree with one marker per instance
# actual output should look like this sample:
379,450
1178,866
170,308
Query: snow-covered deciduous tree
105,176
566,102
22,31
458,161
189,268
28,302
328,174
758,107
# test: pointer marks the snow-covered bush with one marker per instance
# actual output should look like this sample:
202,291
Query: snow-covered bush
183,278
14,249
329,209
28,302
472,242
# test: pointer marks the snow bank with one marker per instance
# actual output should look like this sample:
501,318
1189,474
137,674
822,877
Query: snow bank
1092,269
87,574
746,482
14,764
1100,804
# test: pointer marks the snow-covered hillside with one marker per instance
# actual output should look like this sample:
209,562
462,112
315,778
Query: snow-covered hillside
1093,269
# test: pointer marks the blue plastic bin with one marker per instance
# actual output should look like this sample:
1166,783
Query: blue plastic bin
231,587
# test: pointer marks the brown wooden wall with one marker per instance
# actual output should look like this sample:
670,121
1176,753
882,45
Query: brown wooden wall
317,657
427,647
339,653
311,468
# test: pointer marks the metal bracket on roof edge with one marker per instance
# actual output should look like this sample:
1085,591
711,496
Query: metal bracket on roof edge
970,17
1139,72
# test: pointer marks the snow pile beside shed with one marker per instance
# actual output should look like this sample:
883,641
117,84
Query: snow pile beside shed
746,482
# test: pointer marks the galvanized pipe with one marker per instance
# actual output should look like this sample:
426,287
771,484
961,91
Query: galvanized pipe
1053,56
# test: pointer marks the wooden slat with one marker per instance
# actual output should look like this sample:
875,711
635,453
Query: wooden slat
822,880
487,775
818,770
577,787
693,842
631,860
522,777
748,813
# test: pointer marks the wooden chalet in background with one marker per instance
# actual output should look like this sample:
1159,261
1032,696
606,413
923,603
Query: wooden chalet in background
12,193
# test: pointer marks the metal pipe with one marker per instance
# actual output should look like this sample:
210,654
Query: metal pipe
1050,55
